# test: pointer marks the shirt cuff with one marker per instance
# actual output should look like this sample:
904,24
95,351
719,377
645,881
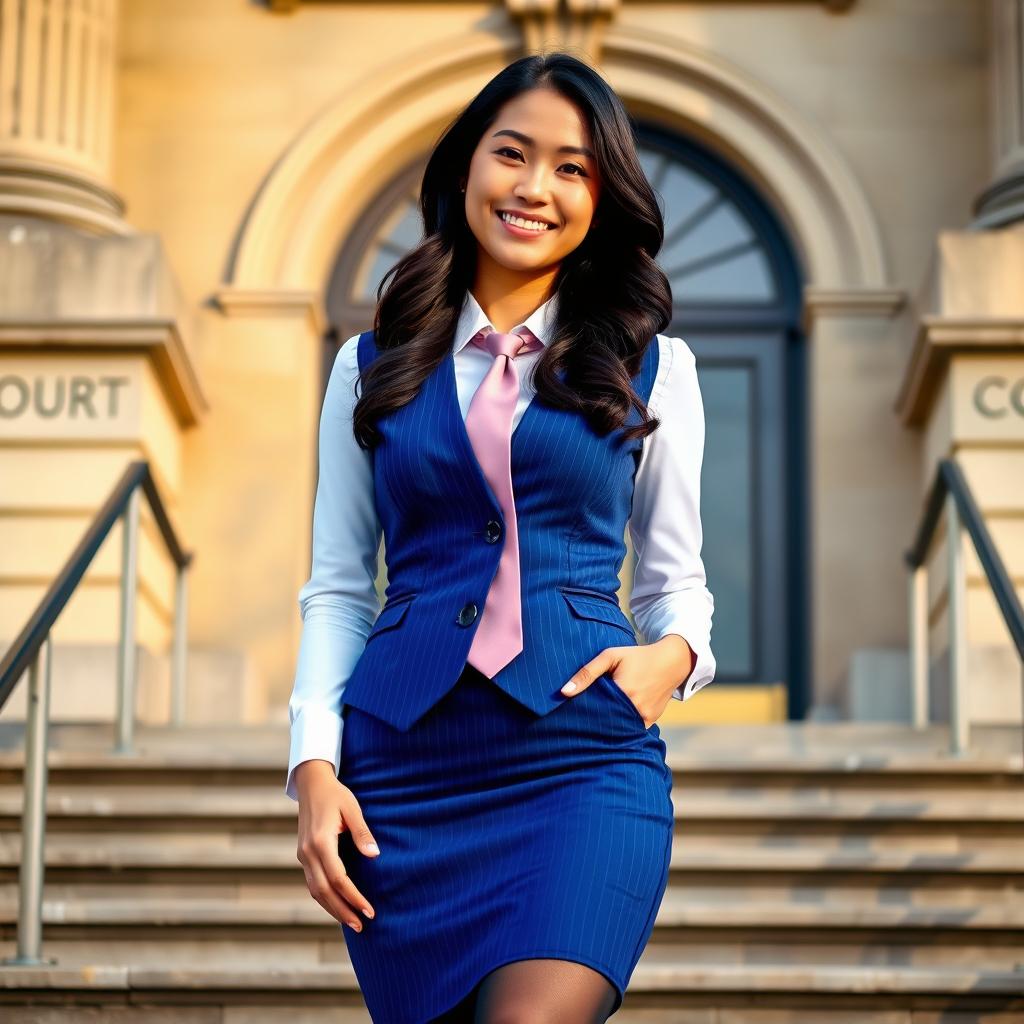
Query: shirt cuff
702,672
315,734
687,613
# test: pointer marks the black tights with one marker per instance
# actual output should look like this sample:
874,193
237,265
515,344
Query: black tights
536,992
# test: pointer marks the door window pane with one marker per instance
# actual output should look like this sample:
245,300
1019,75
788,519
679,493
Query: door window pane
727,513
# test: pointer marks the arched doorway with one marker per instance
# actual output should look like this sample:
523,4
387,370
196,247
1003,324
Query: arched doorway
736,286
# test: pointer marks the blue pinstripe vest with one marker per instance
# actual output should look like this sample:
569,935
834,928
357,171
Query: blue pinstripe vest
443,532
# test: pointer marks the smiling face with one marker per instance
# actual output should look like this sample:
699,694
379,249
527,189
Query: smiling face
529,164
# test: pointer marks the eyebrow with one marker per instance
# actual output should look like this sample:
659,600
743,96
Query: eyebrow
527,141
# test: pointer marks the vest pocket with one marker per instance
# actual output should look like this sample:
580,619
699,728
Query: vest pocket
390,615
593,605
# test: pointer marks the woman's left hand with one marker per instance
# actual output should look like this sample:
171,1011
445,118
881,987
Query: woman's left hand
648,674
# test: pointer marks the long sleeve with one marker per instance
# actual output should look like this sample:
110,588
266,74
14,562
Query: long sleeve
670,593
339,602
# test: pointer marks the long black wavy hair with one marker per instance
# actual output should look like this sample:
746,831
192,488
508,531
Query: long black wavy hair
612,296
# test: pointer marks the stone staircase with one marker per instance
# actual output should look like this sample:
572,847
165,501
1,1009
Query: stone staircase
827,873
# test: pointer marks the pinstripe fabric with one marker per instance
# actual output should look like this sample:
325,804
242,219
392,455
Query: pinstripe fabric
513,822
573,493
503,836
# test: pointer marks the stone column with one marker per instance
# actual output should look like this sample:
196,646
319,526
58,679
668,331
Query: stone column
1002,202
57,81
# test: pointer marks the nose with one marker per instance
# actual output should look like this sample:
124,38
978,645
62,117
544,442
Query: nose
533,185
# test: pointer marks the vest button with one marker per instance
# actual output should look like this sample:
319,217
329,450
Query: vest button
493,531
467,615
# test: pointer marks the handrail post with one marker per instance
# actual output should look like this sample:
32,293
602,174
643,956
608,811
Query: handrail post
126,651
957,604
179,647
919,697
33,814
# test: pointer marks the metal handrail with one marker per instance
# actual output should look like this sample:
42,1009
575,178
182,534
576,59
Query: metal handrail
950,493
32,649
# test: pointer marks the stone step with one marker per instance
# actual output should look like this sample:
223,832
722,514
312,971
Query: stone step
894,741
227,768
75,945
170,804
679,989
820,875
742,1013
144,767
700,893
877,753
308,1014
682,907
92,855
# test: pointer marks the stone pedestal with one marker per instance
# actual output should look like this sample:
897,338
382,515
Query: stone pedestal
96,370
964,389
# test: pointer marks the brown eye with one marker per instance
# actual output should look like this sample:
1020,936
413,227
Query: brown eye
515,152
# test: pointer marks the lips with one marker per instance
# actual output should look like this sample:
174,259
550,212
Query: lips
527,216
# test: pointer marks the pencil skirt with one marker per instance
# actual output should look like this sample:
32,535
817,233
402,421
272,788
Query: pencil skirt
503,835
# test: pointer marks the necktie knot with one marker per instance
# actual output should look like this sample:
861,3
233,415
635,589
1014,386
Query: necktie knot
521,340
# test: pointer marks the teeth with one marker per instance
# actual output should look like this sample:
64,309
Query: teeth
530,225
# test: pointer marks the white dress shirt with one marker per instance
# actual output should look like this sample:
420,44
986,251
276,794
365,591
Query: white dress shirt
339,602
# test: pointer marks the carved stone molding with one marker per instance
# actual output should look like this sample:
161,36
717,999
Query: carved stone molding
576,26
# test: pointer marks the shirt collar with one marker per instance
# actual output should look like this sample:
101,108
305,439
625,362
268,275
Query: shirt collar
473,319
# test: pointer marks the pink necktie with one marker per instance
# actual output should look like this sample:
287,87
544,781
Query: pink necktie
499,635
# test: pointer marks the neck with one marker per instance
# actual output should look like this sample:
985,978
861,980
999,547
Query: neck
509,299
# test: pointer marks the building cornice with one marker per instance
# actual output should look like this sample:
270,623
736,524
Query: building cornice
937,340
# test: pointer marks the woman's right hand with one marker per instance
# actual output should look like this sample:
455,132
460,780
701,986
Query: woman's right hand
326,809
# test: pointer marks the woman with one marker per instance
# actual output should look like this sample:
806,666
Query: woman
497,825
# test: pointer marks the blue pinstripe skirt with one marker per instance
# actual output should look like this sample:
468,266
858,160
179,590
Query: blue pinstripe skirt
503,835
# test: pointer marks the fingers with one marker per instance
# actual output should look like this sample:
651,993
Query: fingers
341,884
584,676
356,823
326,878
330,885
326,895
606,662
580,680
